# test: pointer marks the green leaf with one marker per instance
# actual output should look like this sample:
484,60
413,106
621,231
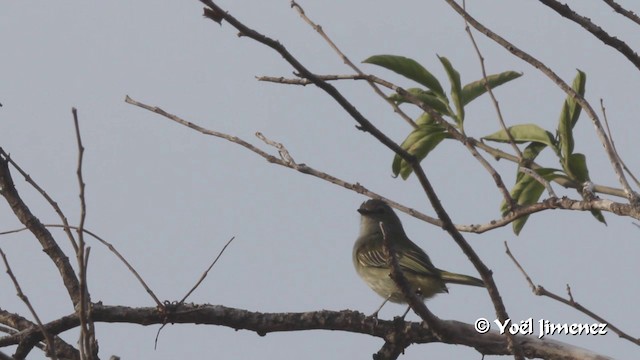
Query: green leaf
523,181
579,85
598,215
419,143
456,88
477,88
569,116
532,151
565,132
577,167
532,190
527,191
428,97
578,171
408,68
524,133
425,119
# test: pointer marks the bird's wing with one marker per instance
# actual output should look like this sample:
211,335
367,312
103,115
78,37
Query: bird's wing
411,259
372,257
414,259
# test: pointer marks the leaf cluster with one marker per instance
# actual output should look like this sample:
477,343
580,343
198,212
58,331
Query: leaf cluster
429,133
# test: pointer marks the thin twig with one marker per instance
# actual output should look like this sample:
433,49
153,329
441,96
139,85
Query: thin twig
541,291
349,63
597,31
515,261
85,346
48,338
45,195
119,256
539,179
512,141
204,275
613,144
109,246
303,168
284,153
620,10
304,82
44,237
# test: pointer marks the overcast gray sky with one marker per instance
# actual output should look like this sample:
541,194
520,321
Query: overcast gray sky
169,198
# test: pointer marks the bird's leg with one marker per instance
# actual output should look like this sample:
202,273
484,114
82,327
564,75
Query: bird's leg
375,313
406,312
419,293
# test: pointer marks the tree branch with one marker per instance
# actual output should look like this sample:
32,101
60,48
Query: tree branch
620,10
490,343
60,347
595,30
49,245
541,291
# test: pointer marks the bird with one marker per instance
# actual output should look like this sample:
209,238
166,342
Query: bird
373,266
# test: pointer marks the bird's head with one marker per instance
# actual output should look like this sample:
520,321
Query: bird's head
374,212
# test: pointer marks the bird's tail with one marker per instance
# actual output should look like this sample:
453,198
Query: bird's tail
454,278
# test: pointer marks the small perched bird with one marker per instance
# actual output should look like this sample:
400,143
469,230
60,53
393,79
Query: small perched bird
371,262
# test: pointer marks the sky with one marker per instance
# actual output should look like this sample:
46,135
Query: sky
169,198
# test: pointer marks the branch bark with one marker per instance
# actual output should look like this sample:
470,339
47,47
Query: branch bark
262,324
49,245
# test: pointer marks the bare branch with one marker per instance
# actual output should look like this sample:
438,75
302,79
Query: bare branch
204,275
613,144
303,168
48,338
392,349
490,343
349,63
18,323
109,246
87,350
46,196
621,46
619,9
48,243
512,142
539,179
541,291
304,82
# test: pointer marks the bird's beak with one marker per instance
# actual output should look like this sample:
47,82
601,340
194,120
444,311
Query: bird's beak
363,209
